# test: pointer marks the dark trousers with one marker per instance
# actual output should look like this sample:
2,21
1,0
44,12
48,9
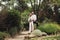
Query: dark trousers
36,23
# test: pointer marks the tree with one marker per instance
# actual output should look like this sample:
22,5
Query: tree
21,5
36,7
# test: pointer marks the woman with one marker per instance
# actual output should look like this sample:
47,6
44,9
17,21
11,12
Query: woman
32,18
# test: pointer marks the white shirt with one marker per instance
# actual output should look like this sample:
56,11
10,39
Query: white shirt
30,18
33,17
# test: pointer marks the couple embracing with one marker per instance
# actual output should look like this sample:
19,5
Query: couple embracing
32,18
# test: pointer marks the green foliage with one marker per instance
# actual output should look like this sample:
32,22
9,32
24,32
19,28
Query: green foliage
3,15
49,27
47,38
3,35
55,1
14,14
14,17
25,15
13,21
57,37
24,18
10,19
22,5
58,1
13,31
52,38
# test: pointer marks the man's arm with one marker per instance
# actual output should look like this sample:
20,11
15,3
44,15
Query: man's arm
34,17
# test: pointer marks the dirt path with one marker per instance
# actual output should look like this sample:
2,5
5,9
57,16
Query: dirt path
24,34
19,37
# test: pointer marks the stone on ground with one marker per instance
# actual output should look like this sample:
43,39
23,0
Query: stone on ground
44,34
37,32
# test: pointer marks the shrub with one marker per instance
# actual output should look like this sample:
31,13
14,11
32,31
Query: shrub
13,21
10,18
13,18
3,35
49,28
24,17
3,16
13,31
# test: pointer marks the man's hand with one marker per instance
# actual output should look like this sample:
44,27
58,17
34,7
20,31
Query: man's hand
30,20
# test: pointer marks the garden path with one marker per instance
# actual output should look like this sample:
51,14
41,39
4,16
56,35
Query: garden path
24,34
19,37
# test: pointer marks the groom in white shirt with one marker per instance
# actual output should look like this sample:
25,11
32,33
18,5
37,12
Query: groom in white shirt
32,18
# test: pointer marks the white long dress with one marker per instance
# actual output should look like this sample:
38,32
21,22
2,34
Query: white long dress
31,20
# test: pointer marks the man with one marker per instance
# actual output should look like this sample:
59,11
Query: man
32,18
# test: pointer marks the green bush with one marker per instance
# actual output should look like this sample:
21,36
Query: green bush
49,27
3,35
10,18
13,18
13,31
24,19
13,21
